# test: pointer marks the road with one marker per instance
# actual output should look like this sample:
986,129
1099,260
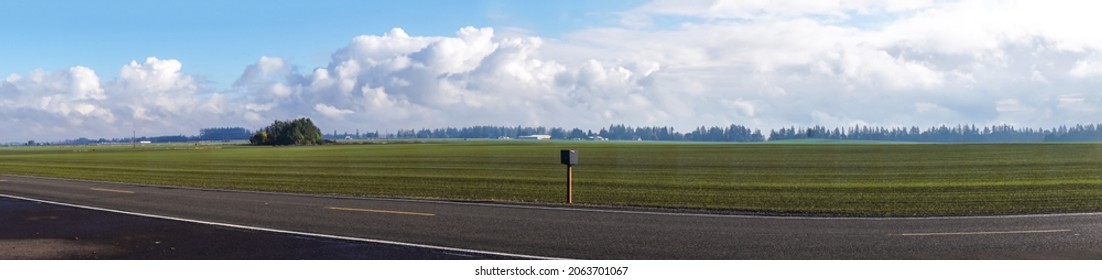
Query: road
36,230
522,231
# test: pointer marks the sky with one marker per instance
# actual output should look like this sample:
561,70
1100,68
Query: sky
73,69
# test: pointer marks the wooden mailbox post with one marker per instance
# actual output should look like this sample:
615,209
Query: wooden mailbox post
570,159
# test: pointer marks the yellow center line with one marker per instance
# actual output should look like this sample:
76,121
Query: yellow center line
110,190
985,232
381,211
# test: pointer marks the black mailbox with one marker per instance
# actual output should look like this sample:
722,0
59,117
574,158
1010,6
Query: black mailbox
569,157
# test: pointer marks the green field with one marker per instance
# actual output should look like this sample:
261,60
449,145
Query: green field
865,179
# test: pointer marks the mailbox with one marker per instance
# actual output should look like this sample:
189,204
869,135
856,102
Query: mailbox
569,157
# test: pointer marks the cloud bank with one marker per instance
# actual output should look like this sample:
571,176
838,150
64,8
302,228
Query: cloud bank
764,64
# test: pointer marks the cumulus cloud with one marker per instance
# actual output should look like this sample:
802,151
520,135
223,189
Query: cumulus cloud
765,64
267,69
474,77
152,96
872,62
72,96
155,89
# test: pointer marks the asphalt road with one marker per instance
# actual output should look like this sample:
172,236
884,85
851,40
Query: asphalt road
37,230
509,231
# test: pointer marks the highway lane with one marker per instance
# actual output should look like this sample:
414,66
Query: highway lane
36,230
596,233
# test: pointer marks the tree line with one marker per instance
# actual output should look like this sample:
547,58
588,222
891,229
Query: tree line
223,134
739,133
303,131
946,134
732,133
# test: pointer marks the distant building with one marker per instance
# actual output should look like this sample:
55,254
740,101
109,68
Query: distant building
597,138
535,137
224,134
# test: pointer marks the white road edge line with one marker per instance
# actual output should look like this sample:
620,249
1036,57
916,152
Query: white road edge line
110,190
985,232
380,211
288,231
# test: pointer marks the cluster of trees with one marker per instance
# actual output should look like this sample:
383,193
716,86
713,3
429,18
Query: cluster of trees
281,133
959,133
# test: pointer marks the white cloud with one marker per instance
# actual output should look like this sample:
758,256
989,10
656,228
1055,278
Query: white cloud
85,84
476,77
375,50
757,9
982,62
157,93
766,64
331,112
1087,67
875,68
268,68
73,97
153,96
744,107
155,76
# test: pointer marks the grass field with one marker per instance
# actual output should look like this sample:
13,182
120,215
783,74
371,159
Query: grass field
864,179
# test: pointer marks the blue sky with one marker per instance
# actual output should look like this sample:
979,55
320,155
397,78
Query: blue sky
102,69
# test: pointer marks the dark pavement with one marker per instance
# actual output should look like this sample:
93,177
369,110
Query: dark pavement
580,232
34,230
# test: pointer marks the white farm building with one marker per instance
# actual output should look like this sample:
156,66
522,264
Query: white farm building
535,137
